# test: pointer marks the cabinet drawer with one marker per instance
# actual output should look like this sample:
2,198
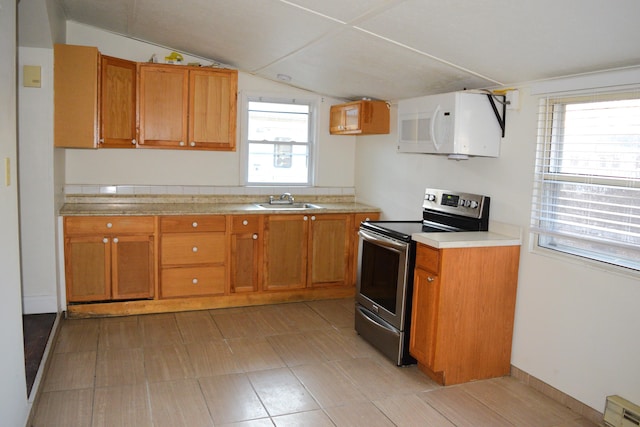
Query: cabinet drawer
192,223
192,281
246,224
428,258
108,224
192,248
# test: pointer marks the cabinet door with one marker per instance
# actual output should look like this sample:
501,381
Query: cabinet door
132,267
212,109
75,96
246,253
285,254
345,118
87,266
118,103
424,318
164,92
329,250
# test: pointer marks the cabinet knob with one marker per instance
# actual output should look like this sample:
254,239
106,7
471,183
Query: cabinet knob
134,142
101,141
313,217
194,249
245,222
430,279
255,236
192,143
109,225
105,240
194,281
115,240
181,143
194,224
306,218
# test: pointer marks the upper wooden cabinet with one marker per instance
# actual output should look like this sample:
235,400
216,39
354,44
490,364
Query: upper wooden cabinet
75,94
187,107
117,103
359,118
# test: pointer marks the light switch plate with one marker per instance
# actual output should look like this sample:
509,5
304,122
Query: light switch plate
31,76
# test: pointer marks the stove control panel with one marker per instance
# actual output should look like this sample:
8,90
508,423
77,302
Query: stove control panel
466,204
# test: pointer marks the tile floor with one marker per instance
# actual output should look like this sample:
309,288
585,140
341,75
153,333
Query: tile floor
298,364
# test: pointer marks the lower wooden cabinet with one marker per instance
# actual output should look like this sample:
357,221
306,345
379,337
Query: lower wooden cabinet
109,258
285,251
463,310
193,255
245,253
225,259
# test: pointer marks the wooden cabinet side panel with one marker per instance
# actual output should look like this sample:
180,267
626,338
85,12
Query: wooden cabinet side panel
133,267
164,95
477,306
75,92
118,103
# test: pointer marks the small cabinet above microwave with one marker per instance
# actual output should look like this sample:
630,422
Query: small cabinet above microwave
457,124
364,117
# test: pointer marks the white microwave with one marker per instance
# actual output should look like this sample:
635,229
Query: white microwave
457,124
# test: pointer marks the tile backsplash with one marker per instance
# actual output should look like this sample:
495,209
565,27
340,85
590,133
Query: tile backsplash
203,190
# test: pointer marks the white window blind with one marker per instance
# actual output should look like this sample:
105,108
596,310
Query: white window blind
587,178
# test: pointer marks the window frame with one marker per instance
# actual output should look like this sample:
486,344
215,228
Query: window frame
312,143
548,173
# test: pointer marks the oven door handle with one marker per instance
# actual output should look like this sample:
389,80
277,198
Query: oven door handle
387,243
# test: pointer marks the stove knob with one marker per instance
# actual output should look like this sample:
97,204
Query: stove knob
461,202
474,204
430,197
467,203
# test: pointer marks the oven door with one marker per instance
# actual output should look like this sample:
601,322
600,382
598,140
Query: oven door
383,276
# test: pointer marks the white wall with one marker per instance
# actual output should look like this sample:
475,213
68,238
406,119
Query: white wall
13,389
336,154
37,196
576,326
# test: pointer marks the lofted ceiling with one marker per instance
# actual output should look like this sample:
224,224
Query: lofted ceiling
384,49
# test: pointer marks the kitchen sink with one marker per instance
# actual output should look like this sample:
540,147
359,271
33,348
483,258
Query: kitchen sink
287,206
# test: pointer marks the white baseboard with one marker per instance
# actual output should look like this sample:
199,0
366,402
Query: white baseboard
39,304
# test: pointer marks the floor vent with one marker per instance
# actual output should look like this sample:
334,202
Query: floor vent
621,413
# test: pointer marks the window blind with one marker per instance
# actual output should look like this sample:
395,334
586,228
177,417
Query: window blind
586,198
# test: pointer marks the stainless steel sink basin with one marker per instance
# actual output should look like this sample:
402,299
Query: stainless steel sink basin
287,206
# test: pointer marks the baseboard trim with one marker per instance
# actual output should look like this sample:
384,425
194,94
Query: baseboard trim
560,397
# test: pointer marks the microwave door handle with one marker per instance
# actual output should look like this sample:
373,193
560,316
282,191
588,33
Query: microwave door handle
432,128
393,246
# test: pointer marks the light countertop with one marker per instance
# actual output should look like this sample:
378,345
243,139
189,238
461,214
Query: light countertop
136,206
466,239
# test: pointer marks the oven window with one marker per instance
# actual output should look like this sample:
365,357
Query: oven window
379,275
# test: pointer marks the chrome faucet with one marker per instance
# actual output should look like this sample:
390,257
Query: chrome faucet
285,198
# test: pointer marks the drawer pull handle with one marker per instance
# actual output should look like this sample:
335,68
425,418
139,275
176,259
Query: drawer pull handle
194,281
105,240
430,279
194,249
194,225
109,225
255,236
245,222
